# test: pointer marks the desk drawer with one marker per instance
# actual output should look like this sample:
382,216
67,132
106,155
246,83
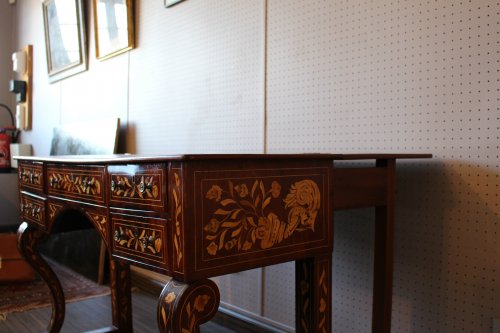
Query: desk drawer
137,186
33,209
78,183
31,176
140,239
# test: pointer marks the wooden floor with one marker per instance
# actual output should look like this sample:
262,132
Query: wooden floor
95,313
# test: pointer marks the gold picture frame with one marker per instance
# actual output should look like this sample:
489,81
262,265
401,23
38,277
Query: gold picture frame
65,38
113,27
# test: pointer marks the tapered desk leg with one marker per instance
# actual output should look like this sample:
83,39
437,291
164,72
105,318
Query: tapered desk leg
383,275
313,295
182,308
121,299
28,240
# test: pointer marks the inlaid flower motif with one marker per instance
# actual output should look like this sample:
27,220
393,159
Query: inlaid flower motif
212,226
214,193
275,189
170,298
242,190
200,302
212,248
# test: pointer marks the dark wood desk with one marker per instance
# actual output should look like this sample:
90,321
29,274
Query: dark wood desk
197,216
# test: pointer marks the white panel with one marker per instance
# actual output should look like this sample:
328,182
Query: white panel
108,86
401,76
101,92
46,97
7,48
279,294
242,291
196,78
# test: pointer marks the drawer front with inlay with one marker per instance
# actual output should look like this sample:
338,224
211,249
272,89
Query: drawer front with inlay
137,186
33,209
78,183
140,239
31,176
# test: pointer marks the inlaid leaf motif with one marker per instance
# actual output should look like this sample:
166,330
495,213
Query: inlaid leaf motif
143,240
147,187
176,193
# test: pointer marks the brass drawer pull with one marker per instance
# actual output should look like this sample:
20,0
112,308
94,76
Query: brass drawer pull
31,177
143,187
86,184
53,181
116,185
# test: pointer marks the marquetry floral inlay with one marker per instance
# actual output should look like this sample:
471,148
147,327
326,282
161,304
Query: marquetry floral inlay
34,210
192,311
80,184
31,176
137,239
176,192
323,305
100,222
53,210
145,188
243,220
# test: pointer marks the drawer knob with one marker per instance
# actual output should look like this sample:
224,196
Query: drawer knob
53,181
33,176
116,185
145,186
86,184
118,235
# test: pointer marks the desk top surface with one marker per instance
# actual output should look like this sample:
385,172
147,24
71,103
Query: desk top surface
130,158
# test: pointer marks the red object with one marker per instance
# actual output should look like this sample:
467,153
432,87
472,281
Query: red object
4,151
12,266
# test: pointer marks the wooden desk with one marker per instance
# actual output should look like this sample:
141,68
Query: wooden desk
197,216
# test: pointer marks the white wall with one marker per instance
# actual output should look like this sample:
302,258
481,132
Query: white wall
332,76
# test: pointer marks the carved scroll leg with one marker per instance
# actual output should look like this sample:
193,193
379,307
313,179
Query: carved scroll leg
182,308
28,240
313,295
121,298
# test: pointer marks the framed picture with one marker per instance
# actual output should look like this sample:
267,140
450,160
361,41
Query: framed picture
169,3
65,38
113,26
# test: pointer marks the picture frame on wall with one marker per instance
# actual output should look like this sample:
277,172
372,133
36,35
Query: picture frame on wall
65,38
113,27
170,3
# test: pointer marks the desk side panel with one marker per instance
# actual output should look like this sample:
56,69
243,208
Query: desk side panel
250,213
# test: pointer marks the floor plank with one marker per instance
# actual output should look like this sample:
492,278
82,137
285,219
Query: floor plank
95,313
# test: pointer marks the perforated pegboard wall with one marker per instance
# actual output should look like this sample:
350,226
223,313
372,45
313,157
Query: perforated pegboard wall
241,291
341,76
401,76
196,79
279,299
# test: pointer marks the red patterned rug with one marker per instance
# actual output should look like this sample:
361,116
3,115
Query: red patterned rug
15,297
